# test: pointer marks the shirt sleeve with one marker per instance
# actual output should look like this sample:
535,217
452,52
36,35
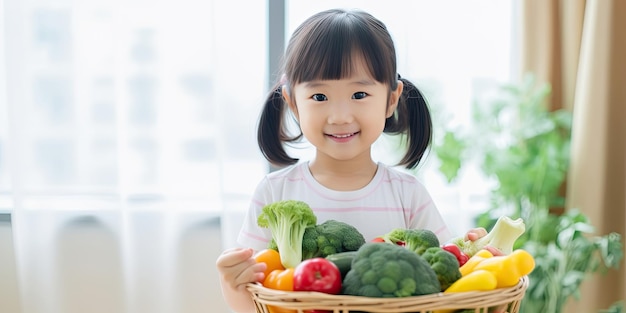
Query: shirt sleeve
251,235
427,216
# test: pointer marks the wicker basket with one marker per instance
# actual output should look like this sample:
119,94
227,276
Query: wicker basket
301,301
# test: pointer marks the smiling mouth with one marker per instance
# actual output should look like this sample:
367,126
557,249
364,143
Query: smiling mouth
341,136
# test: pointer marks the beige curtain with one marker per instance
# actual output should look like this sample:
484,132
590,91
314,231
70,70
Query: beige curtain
579,47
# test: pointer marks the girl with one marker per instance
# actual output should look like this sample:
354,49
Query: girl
341,86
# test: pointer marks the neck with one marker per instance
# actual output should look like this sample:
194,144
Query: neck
343,175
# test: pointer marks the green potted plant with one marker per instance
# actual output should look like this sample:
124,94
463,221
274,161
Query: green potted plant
524,148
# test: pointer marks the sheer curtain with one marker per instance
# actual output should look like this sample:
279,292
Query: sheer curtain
126,128
127,137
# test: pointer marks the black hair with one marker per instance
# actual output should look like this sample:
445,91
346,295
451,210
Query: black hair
323,48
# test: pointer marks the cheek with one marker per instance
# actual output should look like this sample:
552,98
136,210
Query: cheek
308,119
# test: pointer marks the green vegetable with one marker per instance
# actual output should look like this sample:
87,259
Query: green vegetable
502,237
416,240
444,264
333,237
343,260
383,270
287,220
328,238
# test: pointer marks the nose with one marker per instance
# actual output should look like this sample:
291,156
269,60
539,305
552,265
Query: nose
340,113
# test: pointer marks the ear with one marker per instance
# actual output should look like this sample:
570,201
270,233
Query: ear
290,101
394,97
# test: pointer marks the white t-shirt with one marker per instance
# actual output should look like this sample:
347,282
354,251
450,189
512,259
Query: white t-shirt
393,199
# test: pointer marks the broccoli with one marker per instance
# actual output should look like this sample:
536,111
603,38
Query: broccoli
328,238
287,220
384,271
334,237
395,236
444,264
416,240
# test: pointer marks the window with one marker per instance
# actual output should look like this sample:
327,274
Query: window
141,103
154,104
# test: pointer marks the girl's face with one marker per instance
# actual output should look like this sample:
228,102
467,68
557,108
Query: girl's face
342,118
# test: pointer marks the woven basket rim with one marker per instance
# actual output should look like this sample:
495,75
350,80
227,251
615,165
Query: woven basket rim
309,300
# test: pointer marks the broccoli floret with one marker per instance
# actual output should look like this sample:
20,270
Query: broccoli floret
444,264
328,238
382,270
309,243
287,220
338,235
416,240
395,236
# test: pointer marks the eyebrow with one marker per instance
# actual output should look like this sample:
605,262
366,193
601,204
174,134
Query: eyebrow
318,83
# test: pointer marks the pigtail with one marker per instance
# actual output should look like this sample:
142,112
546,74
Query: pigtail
271,131
412,119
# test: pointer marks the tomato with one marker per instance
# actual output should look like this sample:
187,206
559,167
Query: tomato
271,258
317,274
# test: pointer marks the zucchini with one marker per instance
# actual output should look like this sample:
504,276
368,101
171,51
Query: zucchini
343,260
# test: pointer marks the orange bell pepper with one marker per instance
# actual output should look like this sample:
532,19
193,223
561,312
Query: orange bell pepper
280,280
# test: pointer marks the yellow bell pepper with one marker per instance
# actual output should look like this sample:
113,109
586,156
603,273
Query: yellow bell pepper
480,280
508,269
468,267
477,280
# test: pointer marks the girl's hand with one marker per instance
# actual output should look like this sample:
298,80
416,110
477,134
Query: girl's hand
479,232
475,233
237,267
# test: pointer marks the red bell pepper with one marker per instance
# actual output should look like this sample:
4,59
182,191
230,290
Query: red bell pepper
454,249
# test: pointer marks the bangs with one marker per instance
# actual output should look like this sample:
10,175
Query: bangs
335,45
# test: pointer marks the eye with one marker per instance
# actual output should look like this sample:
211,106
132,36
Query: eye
319,97
359,95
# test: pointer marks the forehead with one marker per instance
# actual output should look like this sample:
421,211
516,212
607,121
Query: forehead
354,67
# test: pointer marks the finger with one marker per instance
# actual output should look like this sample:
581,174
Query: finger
494,251
246,272
471,236
476,233
233,257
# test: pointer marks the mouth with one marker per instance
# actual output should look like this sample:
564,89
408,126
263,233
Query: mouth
342,136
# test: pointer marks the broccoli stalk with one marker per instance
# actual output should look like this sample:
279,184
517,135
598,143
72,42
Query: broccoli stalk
287,220
502,237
